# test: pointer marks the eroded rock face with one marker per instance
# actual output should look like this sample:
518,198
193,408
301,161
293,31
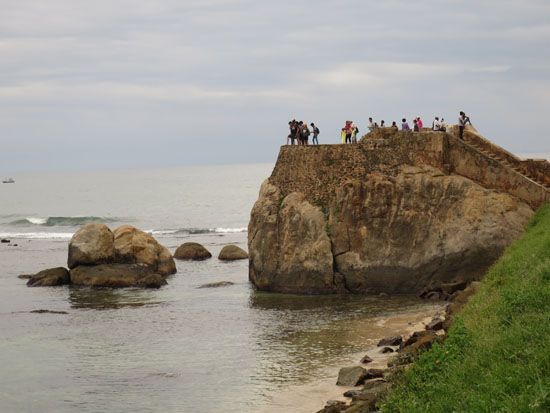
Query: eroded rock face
91,244
391,233
289,248
137,247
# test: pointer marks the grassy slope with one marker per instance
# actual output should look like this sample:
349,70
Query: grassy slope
497,355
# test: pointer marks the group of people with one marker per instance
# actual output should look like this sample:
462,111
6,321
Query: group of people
349,132
300,132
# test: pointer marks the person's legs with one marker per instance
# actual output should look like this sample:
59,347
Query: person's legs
461,132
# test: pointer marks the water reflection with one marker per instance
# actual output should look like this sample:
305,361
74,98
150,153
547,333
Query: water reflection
105,299
303,334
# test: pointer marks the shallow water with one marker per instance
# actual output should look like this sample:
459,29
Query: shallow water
176,349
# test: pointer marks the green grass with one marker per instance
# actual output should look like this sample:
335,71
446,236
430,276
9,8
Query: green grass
497,355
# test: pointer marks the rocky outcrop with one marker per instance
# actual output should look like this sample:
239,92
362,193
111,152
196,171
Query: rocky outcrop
50,278
388,216
98,257
192,251
116,276
92,244
232,253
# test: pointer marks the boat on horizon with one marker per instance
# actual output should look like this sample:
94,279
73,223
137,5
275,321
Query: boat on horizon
8,181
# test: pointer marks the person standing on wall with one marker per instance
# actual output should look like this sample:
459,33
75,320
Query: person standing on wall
462,121
316,132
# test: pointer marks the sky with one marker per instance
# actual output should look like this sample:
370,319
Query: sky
134,83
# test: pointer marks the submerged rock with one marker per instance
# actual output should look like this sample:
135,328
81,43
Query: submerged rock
50,277
192,251
92,244
217,284
232,253
351,376
116,276
42,311
5,241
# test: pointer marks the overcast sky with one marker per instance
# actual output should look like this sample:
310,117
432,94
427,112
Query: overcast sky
130,83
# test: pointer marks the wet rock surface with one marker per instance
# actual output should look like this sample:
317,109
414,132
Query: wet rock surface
50,278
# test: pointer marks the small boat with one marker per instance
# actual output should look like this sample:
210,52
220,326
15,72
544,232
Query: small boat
8,181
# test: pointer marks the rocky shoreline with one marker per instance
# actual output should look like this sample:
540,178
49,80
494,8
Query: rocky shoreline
368,381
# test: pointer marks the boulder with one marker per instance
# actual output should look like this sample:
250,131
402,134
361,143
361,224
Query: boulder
5,241
232,253
366,359
25,276
91,244
290,250
351,376
390,341
387,350
50,277
217,284
192,251
116,276
133,246
334,406
375,373
422,342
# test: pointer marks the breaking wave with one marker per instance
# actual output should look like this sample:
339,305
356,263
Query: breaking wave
62,221
195,231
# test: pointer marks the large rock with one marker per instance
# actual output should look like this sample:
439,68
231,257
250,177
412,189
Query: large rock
351,376
289,248
232,253
192,251
50,277
117,276
134,246
92,244
392,231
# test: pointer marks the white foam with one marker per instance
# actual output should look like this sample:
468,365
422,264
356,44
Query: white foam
36,235
37,221
162,231
229,230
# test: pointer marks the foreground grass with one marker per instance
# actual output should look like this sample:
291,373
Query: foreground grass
497,354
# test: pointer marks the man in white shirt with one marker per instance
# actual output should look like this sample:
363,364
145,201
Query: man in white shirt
436,126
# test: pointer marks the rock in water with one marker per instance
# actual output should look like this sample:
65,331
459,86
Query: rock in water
117,276
50,277
385,218
92,244
351,376
134,246
192,251
390,341
217,284
231,253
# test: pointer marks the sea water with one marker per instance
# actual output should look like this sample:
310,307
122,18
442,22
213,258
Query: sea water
176,349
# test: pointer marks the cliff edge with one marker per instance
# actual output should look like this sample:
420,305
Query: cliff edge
396,213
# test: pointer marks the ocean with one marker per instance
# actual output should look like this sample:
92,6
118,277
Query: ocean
179,348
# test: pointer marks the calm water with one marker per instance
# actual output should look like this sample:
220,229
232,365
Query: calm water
176,349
